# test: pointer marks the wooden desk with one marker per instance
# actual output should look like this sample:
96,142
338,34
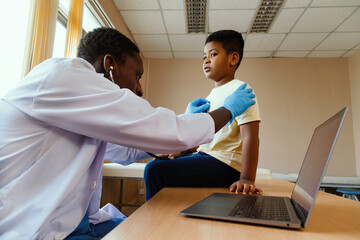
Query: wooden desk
332,217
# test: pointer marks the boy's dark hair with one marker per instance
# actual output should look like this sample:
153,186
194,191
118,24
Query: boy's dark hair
105,41
230,40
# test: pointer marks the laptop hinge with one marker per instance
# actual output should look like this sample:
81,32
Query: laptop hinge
299,212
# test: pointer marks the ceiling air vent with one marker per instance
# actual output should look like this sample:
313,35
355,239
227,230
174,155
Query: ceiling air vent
196,15
265,15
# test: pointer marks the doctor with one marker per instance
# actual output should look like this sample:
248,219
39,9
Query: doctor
61,121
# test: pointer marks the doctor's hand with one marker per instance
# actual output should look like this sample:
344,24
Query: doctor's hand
245,186
239,101
199,105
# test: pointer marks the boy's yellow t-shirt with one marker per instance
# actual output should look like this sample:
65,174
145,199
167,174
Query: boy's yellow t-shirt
227,143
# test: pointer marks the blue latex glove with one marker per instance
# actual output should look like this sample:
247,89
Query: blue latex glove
198,105
239,101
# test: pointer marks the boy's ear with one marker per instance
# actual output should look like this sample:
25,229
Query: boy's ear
235,58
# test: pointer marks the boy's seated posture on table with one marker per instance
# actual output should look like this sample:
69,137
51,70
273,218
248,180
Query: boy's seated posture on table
235,147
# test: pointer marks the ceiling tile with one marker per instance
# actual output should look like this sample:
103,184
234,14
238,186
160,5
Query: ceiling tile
296,3
142,22
302,41
351,24
256,54
137,4
152,42
175,22
286,20
334,3
291,54
263,42
326,53
349,53
322,19
157,55
340,41
238,20
244,35
172,4
234,4
189,42
188,55
159,27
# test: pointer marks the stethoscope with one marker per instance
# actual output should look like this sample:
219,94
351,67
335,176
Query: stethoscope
111,74
110,71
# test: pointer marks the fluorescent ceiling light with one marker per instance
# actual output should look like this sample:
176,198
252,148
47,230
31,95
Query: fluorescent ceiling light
196,15
265,15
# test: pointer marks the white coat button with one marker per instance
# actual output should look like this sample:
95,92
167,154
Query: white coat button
60,236
93,185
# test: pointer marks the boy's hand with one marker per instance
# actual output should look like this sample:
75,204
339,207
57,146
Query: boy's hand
169,156
164,157
176,155
199,105
245,187
239,101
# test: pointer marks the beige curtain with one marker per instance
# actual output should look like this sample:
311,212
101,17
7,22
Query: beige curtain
74,27
42,34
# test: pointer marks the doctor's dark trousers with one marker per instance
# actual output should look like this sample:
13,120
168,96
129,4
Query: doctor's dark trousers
88,231
192,170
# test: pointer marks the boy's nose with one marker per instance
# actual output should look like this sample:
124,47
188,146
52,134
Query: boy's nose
139,90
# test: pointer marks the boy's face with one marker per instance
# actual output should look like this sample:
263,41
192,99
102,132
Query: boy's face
217,63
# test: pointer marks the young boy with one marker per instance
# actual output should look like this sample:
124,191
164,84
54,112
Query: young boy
235,147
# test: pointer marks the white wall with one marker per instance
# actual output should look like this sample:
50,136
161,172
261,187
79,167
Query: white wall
354,75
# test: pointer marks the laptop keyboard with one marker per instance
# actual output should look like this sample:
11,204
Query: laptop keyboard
258,207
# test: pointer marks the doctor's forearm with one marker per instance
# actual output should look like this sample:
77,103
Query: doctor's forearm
221,116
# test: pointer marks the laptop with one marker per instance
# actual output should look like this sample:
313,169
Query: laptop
279,211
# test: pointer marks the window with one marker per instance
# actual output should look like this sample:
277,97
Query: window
91,20
15,37
60,39
13,41
60,32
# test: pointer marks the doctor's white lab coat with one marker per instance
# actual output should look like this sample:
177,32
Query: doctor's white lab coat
55,128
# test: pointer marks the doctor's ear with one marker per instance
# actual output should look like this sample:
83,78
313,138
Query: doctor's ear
109,63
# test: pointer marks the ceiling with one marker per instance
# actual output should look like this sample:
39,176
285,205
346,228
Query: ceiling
303,28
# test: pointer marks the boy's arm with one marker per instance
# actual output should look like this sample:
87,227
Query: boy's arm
250,154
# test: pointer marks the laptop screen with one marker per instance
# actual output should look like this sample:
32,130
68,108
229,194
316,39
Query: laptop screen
315,162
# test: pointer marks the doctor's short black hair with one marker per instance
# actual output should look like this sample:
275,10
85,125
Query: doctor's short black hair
105,41
231,41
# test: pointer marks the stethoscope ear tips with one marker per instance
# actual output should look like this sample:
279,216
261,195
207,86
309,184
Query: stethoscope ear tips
111,74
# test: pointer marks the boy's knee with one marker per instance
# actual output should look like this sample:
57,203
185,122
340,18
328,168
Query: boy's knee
150,169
